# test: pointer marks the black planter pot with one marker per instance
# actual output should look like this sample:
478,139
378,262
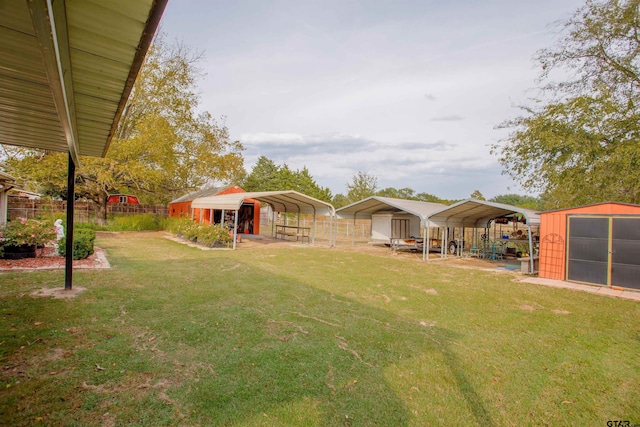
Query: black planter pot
19,252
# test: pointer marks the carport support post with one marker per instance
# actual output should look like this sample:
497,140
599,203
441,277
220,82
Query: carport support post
273,220
68,263
313,240
445,240
235,229
353,233
425,242
531,263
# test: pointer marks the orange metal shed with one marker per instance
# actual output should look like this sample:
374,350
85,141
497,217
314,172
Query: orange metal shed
181,207
559,261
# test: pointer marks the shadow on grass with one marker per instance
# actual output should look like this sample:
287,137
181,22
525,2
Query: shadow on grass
214,341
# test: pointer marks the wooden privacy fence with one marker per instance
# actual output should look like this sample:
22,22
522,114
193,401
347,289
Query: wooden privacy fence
84,211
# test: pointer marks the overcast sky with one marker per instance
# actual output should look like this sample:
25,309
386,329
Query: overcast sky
408,91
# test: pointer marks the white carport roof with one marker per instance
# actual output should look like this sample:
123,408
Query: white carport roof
374,204
67,69
6,179
477,213
281,201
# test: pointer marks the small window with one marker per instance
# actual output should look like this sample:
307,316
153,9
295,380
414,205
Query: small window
123,199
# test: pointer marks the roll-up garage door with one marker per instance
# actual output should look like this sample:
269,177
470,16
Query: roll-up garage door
604,250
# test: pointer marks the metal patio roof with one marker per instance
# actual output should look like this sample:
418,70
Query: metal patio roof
67,69
6,179
477,213
281,201
211,191
375,204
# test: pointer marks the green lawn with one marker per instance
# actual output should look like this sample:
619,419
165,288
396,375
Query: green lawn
172,335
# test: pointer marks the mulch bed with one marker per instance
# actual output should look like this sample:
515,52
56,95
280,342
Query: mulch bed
47,258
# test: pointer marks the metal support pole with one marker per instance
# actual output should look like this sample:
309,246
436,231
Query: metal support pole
313,239
235,229
330,230
273,221
353,233
531,263
425,242
68,263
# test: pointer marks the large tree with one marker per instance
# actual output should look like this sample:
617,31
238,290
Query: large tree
582,143
268,176
528,202
164,145
362,186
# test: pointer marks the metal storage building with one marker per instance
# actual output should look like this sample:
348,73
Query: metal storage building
596,244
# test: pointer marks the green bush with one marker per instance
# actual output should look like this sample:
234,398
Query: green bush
213,235
83,239
207,235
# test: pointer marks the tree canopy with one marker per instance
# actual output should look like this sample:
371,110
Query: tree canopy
267,176
582,145
362,186
528,202
164,146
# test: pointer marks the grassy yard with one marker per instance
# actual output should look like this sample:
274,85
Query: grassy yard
302,336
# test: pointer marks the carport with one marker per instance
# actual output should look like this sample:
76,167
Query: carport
287,201
68,68
369,207
472,213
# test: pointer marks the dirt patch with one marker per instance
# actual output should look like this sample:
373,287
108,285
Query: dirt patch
59,293
48,259
526,307
560,311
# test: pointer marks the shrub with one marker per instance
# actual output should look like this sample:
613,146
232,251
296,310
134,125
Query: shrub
83,240
213,235
207,235
27,232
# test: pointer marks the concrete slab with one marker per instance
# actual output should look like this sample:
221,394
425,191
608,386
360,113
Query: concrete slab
599,290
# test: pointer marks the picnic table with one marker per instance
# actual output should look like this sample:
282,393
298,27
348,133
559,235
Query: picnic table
300,233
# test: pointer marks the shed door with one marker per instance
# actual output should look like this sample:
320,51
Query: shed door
588,259
625,252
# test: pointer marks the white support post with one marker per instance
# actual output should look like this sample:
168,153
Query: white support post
353,232
235,229
531,263
425,242
313,239
330,230
273,222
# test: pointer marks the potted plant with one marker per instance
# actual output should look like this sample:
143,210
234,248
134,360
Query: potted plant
20,238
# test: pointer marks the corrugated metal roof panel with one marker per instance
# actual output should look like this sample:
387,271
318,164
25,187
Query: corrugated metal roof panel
105,43
477,213
281,201
363,209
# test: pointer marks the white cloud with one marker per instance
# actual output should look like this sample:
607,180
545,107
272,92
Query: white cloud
411,94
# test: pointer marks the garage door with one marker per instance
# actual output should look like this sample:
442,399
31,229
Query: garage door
625,252
604,251
588,250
